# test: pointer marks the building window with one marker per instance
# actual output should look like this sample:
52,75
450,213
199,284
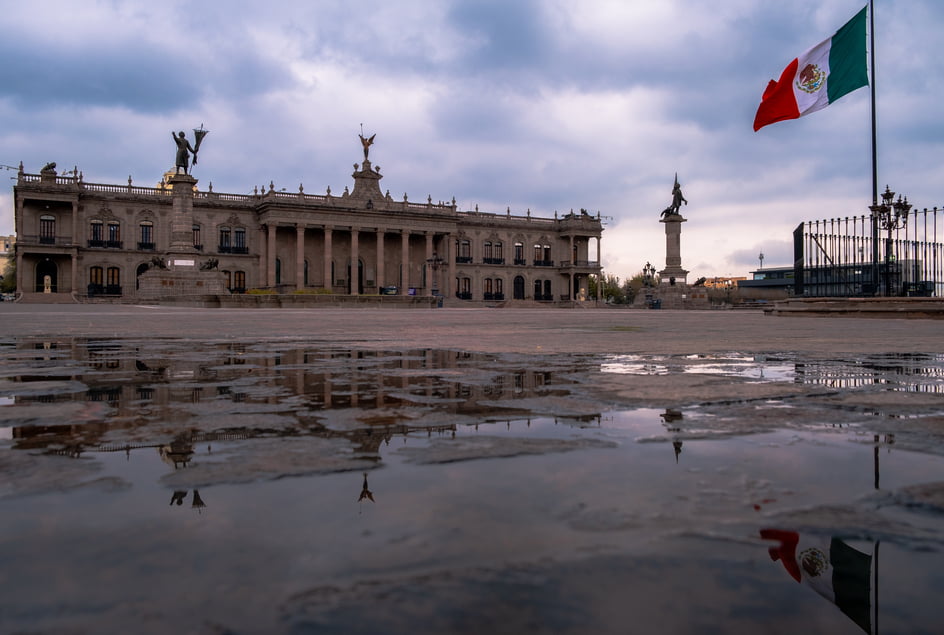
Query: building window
96,283
493,253
96,234
463,251
519,254
499,289
239,241
278,271
226,244
113,281
197,240
146,240
464,288
114,236
306,272
542,256
239,282
47,229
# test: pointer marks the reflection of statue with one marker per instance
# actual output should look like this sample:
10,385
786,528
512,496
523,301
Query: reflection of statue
366,493
367,143
677,200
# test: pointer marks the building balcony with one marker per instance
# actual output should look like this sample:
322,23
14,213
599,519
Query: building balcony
145,246
521,261
463,260
229,249
494,296
493,261
543,263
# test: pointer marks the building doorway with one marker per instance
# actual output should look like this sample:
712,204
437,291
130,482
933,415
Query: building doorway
47,277
518,285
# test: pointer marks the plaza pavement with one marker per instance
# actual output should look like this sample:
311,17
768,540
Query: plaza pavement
489,330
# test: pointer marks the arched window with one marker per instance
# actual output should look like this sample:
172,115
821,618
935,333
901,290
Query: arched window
518,285
226,243
519,254
114,235
96,281
113,281
239,241
96,234
463,251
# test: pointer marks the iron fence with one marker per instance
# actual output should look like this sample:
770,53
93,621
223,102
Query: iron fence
857,257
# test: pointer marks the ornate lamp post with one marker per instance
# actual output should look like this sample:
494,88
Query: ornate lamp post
648,271
889,215
434,264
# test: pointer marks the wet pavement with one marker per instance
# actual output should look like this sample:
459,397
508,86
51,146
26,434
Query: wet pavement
449,470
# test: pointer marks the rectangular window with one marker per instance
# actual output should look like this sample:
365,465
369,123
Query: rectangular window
239,282
114,276
114,232
97,231
147,233
197,240
47,229
239,241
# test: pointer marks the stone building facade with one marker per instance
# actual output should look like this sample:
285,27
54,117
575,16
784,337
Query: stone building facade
79,241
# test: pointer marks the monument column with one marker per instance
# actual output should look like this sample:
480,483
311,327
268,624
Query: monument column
299,256
673,271
328,282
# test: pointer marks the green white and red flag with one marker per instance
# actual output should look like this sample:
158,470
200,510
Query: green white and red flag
819,76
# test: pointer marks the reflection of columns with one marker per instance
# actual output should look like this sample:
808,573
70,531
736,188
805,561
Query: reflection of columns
74,277
299,256
381,273
429,269
354,278
328,282
404,262
270,254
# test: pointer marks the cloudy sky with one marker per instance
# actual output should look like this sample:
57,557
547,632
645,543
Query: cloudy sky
547,105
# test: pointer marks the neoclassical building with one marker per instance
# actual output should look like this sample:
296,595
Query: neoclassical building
79,241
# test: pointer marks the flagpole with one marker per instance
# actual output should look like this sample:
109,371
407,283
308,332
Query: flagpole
875,268
872,84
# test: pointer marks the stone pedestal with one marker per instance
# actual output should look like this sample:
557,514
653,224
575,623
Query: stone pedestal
183,271
673,272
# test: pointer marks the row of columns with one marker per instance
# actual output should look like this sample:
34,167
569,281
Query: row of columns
269,256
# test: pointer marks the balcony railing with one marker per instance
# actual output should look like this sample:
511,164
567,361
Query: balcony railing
464,295
543,263
146,246
493,261
494,296
230,249
521,261
463,260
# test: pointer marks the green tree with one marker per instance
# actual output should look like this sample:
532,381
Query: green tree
612,290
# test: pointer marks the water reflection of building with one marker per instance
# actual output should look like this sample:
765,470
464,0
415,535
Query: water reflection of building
136,388
908,372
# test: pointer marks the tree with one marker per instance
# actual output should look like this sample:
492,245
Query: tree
612,290
8,279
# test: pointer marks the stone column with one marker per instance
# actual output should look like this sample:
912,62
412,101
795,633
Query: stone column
181,227
299,256
263,276
355,257
270,254
405,262
673,250
381,273
328,281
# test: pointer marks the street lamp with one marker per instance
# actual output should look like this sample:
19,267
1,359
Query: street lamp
434,264
890,215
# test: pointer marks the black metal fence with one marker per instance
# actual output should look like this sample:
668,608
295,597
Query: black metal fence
858,257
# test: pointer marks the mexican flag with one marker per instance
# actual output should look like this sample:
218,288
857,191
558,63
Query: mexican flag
818,77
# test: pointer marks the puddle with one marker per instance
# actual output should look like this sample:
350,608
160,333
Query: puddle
281,487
